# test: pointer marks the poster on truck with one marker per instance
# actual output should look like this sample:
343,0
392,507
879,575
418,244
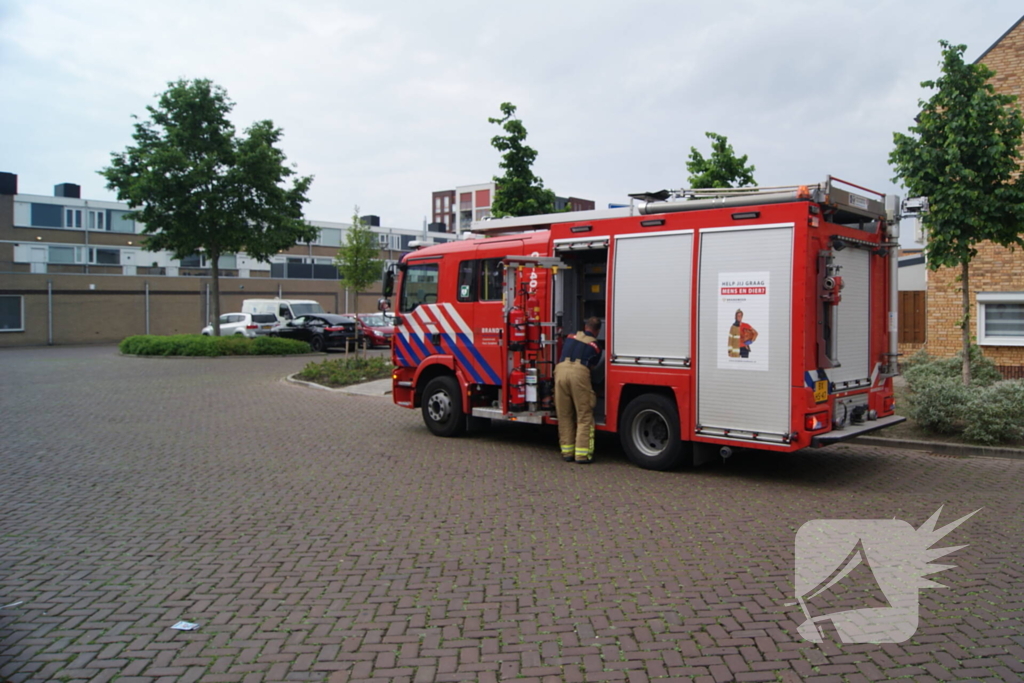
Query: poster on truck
743,310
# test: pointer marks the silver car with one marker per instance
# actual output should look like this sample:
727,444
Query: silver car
245,324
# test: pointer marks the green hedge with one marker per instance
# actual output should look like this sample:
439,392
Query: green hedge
346,371
989,411
200,345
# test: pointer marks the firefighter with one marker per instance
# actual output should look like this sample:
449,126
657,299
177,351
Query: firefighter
741,335
574,394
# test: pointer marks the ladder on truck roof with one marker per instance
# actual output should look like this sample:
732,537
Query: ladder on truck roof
848,206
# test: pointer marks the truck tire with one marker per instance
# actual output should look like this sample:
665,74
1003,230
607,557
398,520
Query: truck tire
650,432
442,407
316,344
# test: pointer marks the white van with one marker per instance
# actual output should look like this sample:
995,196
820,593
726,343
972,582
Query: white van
283,309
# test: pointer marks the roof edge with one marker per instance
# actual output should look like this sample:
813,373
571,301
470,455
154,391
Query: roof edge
998,40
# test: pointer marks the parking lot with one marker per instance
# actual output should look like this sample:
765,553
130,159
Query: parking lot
320,536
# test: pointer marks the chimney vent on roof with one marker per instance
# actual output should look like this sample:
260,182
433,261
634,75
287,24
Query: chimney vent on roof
8,183
371,221
67,190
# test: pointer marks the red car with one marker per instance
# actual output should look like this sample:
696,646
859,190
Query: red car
377,328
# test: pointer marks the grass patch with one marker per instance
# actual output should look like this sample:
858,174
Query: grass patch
346,371
200,345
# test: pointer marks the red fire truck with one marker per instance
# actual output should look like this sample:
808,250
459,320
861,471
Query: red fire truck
756,318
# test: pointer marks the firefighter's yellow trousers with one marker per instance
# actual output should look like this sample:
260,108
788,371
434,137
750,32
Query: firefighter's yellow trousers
574,404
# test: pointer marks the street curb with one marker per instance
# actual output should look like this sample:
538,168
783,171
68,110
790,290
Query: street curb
311,354
351,389
942,448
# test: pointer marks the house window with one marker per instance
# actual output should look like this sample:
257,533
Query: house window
62,255
96,219
120,222
72,218
193,261
12,314
46,216
105,257
1001,319
330,237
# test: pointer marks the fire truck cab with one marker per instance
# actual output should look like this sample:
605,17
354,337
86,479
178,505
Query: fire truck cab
757,318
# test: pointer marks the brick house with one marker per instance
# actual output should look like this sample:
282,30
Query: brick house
996,274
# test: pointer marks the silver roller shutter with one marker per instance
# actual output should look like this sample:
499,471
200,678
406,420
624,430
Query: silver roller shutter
651,298
743,397
853,329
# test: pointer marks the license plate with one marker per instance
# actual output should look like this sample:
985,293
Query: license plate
821,391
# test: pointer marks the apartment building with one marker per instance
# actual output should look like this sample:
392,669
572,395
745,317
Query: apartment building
455,210
75,271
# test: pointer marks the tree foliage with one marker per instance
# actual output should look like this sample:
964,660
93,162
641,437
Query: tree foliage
199,187
519,191
963,154
357,258
722,169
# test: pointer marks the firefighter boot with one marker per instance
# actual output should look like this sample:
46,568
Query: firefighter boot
567,453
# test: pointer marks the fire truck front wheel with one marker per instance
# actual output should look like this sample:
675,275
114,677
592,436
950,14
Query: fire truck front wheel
442,406
650,432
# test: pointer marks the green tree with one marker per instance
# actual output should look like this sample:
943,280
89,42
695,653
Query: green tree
519,191
963,154
722,169
357,259
198,187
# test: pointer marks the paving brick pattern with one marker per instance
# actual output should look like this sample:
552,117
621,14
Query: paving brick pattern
324,537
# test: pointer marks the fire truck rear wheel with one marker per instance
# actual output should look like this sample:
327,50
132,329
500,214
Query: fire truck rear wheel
650,432
442,406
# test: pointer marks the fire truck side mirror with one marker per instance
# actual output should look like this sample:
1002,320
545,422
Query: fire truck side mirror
384,305
388,281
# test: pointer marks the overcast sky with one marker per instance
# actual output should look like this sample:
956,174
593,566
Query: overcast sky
386,102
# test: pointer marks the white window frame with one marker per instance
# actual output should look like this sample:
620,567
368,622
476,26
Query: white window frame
984,298
21,307
96,220
92,256
73,218
78,259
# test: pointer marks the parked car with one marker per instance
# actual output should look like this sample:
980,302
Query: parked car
322,331
246,324
378,328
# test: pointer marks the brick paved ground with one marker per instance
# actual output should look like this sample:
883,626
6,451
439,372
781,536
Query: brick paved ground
326,537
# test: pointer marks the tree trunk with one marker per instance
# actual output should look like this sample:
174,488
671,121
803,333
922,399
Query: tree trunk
216,290
965,329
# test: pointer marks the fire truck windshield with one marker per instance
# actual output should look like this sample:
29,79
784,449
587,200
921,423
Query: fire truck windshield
419,286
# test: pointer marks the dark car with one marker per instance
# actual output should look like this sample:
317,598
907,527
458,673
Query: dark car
322,331
377,328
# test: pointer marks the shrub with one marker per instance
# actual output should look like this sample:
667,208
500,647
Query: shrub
922,368
937,403
199,345
345,371
995,414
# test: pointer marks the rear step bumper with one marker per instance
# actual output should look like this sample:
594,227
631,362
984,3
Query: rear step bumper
853,431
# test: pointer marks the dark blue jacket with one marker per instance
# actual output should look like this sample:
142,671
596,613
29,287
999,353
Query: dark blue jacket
582,347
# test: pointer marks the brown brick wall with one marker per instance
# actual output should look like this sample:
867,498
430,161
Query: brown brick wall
994,269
